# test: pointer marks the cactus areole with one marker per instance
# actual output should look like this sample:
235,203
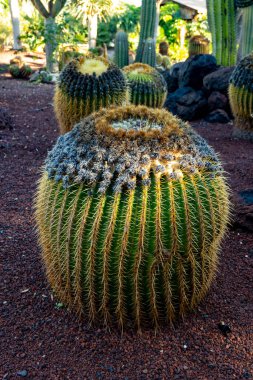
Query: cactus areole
131,210
85,85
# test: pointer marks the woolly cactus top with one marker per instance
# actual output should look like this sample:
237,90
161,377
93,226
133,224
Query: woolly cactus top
119,147
88,73
201,40
140,72
242,75
243,3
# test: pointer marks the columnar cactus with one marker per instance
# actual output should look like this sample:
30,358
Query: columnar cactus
246,40
241,95
146,85
221,19
149,54
121,49
199,45
86,85
131,210
148,22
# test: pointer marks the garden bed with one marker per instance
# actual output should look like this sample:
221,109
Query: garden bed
42,340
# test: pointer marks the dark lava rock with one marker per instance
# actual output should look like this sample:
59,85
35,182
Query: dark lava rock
195,68
175,69
5,119
217,116
218,80
244,218
217,100
172,82
187,103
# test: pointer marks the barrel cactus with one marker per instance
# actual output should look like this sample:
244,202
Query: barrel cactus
199,45
163,48
85,85
222,24
121,49
241,96
20,72
146,85
246,41
131,210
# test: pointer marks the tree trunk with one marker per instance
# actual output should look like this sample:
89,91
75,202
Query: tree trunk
92,30
51,45
14,8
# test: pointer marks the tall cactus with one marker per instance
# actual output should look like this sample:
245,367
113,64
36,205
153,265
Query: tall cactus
246,40
241,97
148,22
149,54
221,19
199,45
121,49
146,85
131,210
85,85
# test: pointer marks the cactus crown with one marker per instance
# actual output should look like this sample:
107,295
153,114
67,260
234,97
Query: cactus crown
200,40
90,66
243,3
139,72
242,76
118,147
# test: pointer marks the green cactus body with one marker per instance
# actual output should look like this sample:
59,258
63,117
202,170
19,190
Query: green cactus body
166,62
163,48
148,21
14,70
146,85
243,3
241,94
199,45
159,59
246,40
131,210
121,50
86,85
20,72
149,54
221,18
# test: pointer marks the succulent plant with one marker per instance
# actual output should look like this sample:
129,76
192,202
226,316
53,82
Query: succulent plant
241,94
20,72
163,48
131,210
199,45
86,85
148,22
246,41
121,49
146,85
149,54
222,21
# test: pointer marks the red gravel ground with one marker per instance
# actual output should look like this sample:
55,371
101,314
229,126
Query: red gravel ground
44,341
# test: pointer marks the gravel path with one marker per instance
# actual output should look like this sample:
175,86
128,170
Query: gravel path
39,339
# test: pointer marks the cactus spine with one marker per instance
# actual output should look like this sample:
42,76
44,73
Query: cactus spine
148,22
221,19
85,85
131,210
198,45
146,85
241,96
121,49
246,41
149,54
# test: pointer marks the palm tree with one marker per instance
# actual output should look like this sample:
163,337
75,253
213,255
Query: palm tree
94,10
14,9
49,14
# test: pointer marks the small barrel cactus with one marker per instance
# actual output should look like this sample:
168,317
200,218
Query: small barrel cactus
146,85
149,54
121,49
131,210
199,45
85,85
20,72
163,48
241,95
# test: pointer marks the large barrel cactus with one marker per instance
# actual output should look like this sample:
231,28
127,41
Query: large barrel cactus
241,96
146,85
85,85
221,20
131,210
198,45
246,40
